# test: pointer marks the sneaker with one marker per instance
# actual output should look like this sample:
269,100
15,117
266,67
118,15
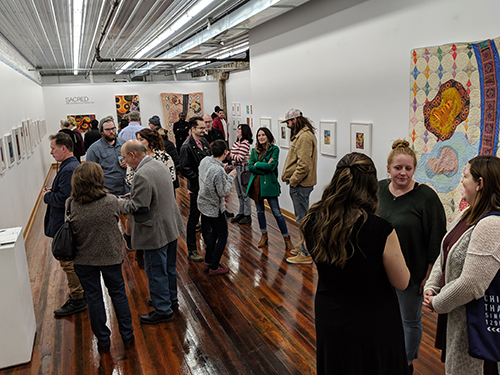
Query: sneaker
219,271
206,267
237,218
195,257
128,241
128,342
72,306
300,259
154,318
229,214
296,251
245,220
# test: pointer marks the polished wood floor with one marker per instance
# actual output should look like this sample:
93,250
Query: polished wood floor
258,319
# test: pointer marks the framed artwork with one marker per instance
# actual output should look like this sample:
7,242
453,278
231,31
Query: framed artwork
27,138
248,109
18,144
22,139
237,107
9,148
38,133
265,122
328,137
43,125
233,109
32,135
283,134
83,122
361,138
3,158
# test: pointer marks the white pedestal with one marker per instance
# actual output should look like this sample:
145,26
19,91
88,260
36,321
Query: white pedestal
17,316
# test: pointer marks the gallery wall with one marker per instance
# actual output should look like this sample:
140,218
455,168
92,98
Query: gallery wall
22,99
348,61
99,99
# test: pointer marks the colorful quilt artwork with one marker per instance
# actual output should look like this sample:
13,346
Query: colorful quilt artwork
454,113
174,104
126,104
83,122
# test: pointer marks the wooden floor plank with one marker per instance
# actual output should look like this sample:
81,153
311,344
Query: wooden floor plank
258,319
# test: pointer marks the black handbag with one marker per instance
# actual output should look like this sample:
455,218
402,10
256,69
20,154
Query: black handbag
245,177
63,243
483,326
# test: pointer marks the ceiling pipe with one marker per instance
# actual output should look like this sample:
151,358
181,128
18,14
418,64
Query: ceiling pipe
154,59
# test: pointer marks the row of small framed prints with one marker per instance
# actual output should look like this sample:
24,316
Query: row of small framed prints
361,134
21,143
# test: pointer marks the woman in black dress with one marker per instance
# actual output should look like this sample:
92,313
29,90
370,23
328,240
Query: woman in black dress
359,261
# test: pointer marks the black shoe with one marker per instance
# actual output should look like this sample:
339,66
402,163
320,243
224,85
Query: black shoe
237,218
154,318
174,302
128,241
410,368
104,348
128,342
72,306
229,214
245,220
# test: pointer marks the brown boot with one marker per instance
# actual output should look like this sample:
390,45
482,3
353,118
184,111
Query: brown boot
263,240
288,243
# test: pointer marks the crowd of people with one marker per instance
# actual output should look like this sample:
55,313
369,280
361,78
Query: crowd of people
381,247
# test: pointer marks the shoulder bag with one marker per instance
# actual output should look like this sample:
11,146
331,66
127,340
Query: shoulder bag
483,321
63,243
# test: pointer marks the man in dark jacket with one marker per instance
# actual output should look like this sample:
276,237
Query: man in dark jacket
61,148
194,149
92,135
181,131
211,133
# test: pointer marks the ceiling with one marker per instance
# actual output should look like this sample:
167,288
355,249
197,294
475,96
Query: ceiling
113,31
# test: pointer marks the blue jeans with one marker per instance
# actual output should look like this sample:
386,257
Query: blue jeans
245,202
410,305
90,278
160,265
300,199
275,209
215,233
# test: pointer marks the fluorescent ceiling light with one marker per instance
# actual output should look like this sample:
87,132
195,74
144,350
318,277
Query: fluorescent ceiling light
77,32
181,21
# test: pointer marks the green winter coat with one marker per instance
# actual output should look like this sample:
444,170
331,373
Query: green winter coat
269,185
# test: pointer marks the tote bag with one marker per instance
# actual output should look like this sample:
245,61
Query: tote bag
63,243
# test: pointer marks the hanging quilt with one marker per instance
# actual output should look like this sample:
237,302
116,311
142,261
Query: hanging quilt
454,112
174,104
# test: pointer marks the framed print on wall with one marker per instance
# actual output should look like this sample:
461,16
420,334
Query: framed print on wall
283,134
265,122
22,138
238,110
27,138
17,144
328,137
3,158
361,138
9,147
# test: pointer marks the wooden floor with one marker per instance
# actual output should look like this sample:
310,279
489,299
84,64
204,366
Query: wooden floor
258,319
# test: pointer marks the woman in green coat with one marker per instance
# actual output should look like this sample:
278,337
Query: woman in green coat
263,184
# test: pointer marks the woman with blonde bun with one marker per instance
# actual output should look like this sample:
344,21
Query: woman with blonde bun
418,216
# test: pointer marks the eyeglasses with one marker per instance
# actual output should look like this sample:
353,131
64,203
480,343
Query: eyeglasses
200,127
109,130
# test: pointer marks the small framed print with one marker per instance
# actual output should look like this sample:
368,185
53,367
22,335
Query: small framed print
283,134
265,122
17,144
27,137
22,138
233,109
9,148
237,107
328,134
3,158
361,138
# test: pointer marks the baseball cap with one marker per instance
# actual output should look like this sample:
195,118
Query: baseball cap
292,113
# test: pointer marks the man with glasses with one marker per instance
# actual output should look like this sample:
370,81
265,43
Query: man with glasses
194,149
107,153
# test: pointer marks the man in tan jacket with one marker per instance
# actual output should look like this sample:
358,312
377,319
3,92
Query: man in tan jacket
299,171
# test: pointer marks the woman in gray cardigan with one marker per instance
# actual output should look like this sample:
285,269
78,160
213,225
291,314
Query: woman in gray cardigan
468,262
94,219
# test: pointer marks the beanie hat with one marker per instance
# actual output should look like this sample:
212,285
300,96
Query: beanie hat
155,120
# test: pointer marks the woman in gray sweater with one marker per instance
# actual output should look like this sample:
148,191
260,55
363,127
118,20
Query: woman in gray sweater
94,219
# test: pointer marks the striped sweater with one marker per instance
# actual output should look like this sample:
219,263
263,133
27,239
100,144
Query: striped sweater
240,152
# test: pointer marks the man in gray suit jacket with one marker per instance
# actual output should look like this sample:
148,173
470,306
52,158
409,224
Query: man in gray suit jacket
156,224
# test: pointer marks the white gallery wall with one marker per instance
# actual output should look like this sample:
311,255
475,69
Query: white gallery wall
349,61
99,99
21,99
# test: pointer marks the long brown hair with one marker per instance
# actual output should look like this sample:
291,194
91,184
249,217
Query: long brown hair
263,148
87,183
351,192
155,141
488,198
301,122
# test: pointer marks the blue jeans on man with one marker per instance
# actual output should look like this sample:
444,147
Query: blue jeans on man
160,265
90,278
300,199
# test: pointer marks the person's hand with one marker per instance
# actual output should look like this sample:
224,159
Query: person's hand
45,190
428,297
270,160
234,172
